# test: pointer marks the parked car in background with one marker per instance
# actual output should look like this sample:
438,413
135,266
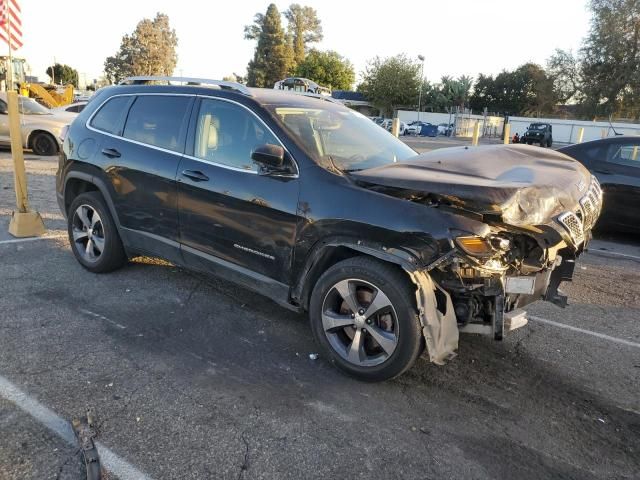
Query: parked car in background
302,200
415,127
75,107
301,85
386,123
445,129
402,130
41,127
616,164
540,133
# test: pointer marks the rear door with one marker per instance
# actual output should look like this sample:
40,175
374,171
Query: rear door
141,159
228,211
621,177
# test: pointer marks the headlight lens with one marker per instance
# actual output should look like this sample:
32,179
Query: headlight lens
476,246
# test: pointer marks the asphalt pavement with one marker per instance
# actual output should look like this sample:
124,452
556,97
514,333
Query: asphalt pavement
193,377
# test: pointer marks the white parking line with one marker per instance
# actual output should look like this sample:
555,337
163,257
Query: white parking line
112,462
102,317
621,341
32,239
605,253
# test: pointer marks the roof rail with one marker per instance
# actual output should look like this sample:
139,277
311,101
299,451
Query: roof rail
141,80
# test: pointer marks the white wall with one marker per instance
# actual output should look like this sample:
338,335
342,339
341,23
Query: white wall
464,126
566,131
407,116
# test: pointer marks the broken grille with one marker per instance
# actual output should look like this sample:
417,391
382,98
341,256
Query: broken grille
588,210
573,225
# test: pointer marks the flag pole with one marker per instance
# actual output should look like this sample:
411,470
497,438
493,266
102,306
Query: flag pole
7,24
23,223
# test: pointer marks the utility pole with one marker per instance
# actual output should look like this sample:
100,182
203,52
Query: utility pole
421,58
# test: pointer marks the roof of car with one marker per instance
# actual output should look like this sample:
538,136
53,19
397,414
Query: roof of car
263,96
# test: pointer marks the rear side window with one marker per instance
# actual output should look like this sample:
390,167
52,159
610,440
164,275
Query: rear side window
625,154
157,120
109,117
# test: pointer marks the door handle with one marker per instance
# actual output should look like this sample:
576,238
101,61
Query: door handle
111,152
195,175
602,170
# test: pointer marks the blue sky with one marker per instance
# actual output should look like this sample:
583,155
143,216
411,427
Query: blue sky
456,37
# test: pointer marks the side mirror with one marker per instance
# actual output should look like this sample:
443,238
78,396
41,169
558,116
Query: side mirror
269,156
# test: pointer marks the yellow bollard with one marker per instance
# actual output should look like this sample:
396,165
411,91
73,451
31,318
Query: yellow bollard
507,133
24,223
603,133
580,135
476,134
634,154
395,127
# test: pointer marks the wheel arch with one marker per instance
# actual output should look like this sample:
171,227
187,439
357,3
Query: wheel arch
327,253
33,133
77,182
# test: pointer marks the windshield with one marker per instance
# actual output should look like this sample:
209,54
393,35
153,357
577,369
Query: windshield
537,126
342,138
28,106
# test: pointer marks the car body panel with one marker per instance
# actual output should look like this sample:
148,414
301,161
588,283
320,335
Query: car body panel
620,181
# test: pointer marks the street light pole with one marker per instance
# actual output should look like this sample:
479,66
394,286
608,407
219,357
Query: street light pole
421,58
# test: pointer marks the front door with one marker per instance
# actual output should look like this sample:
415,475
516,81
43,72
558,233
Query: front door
620,179
228,212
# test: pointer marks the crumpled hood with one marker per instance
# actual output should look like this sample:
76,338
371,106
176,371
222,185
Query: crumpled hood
525,185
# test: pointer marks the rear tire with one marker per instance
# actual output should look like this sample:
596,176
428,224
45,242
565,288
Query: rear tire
44,144
93,235
380,316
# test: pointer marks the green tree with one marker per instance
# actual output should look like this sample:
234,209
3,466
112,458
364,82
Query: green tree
611,58
304,27
328,69
526,90
63,74
563,69
149,50
273,57
391,82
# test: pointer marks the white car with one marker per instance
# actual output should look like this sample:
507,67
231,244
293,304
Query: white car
388,123
75,107
41,128
415,127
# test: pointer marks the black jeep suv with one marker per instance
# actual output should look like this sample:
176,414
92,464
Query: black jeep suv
313,205
541,133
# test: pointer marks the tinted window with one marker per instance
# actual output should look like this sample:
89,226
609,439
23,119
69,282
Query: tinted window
228,134
157,120
109,117
625,154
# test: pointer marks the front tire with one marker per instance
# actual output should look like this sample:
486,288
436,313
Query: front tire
93,235
44,144
363,317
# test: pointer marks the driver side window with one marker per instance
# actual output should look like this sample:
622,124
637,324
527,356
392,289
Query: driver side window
227,134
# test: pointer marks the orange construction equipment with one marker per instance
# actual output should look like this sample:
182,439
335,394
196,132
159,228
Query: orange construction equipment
50,98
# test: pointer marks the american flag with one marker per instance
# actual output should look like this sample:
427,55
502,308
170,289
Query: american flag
10,24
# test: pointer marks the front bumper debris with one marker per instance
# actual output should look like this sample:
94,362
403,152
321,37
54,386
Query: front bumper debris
440,329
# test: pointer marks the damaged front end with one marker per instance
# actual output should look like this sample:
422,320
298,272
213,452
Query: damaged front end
536,231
